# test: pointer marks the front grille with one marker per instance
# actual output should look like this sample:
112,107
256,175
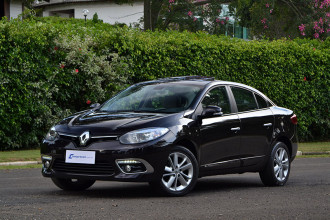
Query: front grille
75,139
99,168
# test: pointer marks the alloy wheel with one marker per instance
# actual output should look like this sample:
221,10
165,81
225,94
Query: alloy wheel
178,172
281,164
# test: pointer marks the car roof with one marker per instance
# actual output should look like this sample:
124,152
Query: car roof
198,80
205,81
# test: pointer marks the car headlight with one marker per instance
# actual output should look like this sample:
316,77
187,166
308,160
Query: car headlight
142,135
51,135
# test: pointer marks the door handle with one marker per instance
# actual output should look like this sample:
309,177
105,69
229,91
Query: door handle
268,125
235,129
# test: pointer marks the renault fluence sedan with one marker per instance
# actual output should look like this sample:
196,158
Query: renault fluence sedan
170,132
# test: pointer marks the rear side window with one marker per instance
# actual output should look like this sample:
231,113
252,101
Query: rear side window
262,103
244,99
217,97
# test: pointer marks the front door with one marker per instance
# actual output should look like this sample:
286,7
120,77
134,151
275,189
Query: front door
220,140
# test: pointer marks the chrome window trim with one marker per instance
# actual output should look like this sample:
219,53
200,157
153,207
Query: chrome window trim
254,110
254,91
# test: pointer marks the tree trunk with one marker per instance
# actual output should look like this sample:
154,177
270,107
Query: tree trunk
155,10
147,14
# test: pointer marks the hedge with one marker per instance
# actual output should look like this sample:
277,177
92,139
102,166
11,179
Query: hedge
294,74
50,67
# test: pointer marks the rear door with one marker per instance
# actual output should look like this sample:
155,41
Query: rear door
256,128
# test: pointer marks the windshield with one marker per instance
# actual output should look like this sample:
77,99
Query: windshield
162,98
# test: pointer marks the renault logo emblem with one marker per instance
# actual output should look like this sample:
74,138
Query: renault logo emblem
83,138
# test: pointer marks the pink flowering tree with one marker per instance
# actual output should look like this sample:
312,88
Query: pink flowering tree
272,19
285,18
192,15
317,24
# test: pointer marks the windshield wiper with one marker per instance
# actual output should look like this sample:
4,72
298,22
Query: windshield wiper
160,110
136,111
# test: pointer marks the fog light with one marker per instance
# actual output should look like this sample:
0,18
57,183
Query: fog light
131,166
128,161
46,160
128,168
46,157
47,164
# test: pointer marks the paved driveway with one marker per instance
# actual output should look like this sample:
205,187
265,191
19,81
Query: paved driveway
25,194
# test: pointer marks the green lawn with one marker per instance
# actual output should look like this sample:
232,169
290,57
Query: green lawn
314,147
11,167
21,155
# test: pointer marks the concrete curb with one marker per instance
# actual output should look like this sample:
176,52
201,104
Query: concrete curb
300,153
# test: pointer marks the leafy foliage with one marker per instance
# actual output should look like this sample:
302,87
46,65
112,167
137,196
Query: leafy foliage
183,15
50,67
294,74
48,70
275,19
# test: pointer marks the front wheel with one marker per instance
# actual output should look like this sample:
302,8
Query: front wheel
180,173
277,169
73,184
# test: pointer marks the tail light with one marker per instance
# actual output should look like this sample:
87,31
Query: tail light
294,119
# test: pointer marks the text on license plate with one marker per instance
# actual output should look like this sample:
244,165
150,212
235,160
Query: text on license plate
78,156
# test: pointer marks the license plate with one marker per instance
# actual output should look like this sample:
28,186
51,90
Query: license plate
78,156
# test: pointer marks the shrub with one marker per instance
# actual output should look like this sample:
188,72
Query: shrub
294,74
46,73
39,83
83,74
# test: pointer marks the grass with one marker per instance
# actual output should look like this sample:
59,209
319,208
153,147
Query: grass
21,155
314,147
11,167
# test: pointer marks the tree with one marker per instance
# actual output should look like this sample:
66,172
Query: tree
181,14
284,18
317,24
266,18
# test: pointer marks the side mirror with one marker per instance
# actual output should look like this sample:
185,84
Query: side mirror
94,105
211,111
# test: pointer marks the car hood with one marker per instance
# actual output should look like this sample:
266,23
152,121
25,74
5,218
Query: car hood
105,123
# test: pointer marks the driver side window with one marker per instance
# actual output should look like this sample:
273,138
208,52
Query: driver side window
217,97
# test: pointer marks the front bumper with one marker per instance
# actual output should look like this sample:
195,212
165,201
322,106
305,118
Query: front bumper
153,155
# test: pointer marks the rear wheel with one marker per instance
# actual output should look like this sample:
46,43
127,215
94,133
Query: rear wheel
73,184
277,170
180,173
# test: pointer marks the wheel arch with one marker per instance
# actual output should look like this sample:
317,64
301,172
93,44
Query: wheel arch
190,146
287,142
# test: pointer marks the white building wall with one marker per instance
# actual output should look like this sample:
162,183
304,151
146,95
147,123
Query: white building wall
45,13
106,11
15,8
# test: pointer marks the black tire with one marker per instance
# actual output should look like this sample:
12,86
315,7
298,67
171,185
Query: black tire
277,169
73,184
183,171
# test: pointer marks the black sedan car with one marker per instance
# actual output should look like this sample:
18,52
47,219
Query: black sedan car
170,132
